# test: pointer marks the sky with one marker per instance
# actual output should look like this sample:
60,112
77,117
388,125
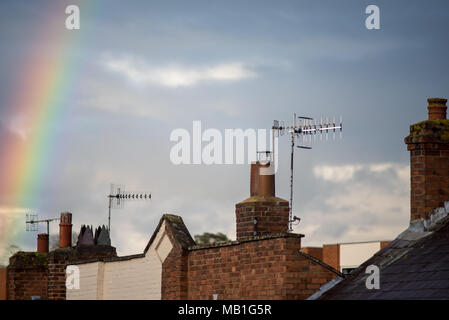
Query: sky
137,70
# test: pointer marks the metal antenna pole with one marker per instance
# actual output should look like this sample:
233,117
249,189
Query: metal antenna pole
32,222
304,129
117,197
291,183
109,217
290,214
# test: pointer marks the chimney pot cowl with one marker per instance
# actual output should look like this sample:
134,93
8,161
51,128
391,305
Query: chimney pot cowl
437,108
66,217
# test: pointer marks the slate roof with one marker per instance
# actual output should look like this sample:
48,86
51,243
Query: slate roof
413,266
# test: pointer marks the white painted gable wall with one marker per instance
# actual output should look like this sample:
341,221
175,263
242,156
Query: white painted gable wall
138,278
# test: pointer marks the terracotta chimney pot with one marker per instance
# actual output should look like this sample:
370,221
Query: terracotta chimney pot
437,108
65,230
42,242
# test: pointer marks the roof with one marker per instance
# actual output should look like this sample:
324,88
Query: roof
181,235
178,230
175,226
413,266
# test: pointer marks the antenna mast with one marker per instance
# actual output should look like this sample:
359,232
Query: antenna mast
117,197
305,130
32,222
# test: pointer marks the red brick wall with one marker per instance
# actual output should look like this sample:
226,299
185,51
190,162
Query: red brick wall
315,252
331,255
271,214
174,274
57,264
429,178
3,283
27,276
263,269
44,275
56,281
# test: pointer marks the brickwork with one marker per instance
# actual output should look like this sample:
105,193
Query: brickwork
3,283
57,262
271,214
264,263
331,255
315,252
174,275
27,276
428,144
43,274
269,268
56,281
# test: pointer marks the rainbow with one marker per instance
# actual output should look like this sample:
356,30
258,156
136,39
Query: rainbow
44,81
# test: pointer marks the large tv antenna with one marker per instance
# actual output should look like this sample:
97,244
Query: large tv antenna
32,222
117,197
304,128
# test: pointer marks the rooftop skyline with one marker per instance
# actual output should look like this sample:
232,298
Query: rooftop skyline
97,106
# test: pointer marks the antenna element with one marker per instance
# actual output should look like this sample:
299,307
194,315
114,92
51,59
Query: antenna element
304,130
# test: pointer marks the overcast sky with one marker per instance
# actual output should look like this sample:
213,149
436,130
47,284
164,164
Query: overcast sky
145,68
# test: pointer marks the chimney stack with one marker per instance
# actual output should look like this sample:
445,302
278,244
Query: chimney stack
262,213
42,242
65,230
428,144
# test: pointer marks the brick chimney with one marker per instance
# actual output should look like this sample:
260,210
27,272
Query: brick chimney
42,242
65,230
428,144
263,213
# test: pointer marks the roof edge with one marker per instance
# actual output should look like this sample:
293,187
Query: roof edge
324,288
175,224
435,219
321,263
248,239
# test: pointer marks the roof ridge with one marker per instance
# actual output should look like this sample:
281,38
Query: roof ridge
178,229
